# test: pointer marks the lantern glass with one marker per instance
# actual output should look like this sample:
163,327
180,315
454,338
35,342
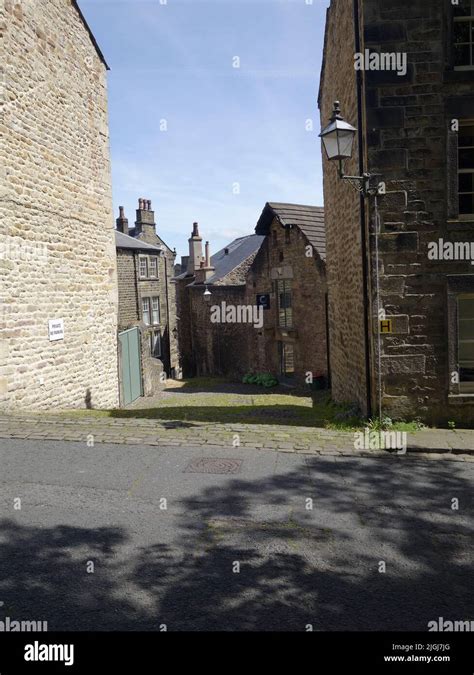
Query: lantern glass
331,144
338,137
338,143
345,142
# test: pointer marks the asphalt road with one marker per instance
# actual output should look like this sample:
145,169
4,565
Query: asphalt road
231,551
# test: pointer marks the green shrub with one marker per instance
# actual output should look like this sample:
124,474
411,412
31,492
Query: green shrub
266,380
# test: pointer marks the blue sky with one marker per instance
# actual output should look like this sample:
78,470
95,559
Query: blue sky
231,138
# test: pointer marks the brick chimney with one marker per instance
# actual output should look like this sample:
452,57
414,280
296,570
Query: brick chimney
195,251
145,227
205,271
122,222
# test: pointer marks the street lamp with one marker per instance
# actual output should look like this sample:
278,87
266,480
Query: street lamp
338,141
207,295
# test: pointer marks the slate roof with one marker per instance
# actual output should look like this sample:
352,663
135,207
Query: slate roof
309,219
238,251
91,34
124,241
132,233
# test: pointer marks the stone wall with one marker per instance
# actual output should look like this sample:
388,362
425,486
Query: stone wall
128,314
284,255
218,348
345,278
237,348
408,137
183,309
145,230
58,259
131,291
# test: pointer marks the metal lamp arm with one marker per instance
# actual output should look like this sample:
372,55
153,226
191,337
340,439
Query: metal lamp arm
359,183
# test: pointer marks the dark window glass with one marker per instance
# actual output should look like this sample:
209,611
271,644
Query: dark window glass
466,343
285,304
466,182
466,169
463,9
287,359
463,32
466,158
466,204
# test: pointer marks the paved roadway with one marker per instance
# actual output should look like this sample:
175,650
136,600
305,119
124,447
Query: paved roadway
232,551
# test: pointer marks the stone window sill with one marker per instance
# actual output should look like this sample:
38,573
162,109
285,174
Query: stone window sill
461,224
458,76
456,399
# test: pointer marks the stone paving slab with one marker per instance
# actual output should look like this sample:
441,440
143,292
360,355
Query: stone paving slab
458,445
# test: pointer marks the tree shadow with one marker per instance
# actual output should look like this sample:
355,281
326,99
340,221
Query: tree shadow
237,414
324,567
216,386
247,554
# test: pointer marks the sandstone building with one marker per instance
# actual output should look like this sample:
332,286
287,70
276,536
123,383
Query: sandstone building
58,294
416,131
213,348
288,275
148,347
275,280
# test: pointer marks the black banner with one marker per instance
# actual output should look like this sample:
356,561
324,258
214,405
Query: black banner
327,652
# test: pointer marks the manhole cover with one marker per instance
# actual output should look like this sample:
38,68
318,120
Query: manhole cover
203,465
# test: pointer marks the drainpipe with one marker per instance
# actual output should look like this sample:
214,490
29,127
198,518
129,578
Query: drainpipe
168,313
365,265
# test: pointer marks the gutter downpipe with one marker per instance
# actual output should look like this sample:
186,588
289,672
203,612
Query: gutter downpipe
365,266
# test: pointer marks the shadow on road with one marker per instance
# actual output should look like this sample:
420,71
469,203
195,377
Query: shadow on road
297,567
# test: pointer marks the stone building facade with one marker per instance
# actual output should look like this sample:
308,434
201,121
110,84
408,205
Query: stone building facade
288,278
275,280
57,261
209,348
416,134
147,295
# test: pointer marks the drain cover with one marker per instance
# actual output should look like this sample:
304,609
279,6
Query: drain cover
203,465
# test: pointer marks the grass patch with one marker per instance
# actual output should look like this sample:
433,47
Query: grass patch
224,401
228,408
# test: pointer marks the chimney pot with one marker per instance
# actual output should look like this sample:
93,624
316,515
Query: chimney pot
149,204
195,257
122,222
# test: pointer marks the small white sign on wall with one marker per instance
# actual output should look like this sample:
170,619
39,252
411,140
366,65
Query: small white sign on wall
56,329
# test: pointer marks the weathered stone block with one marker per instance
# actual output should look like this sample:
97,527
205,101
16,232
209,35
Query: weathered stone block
388,159
403,365
398,242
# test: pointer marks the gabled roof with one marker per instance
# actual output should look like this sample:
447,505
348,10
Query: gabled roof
124,241
308,219
132,233
91,34
225,264
237,252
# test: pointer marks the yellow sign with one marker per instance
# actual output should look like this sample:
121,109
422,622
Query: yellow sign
386,326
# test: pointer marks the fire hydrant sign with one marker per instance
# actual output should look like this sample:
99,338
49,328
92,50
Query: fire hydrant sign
56,329
386,326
